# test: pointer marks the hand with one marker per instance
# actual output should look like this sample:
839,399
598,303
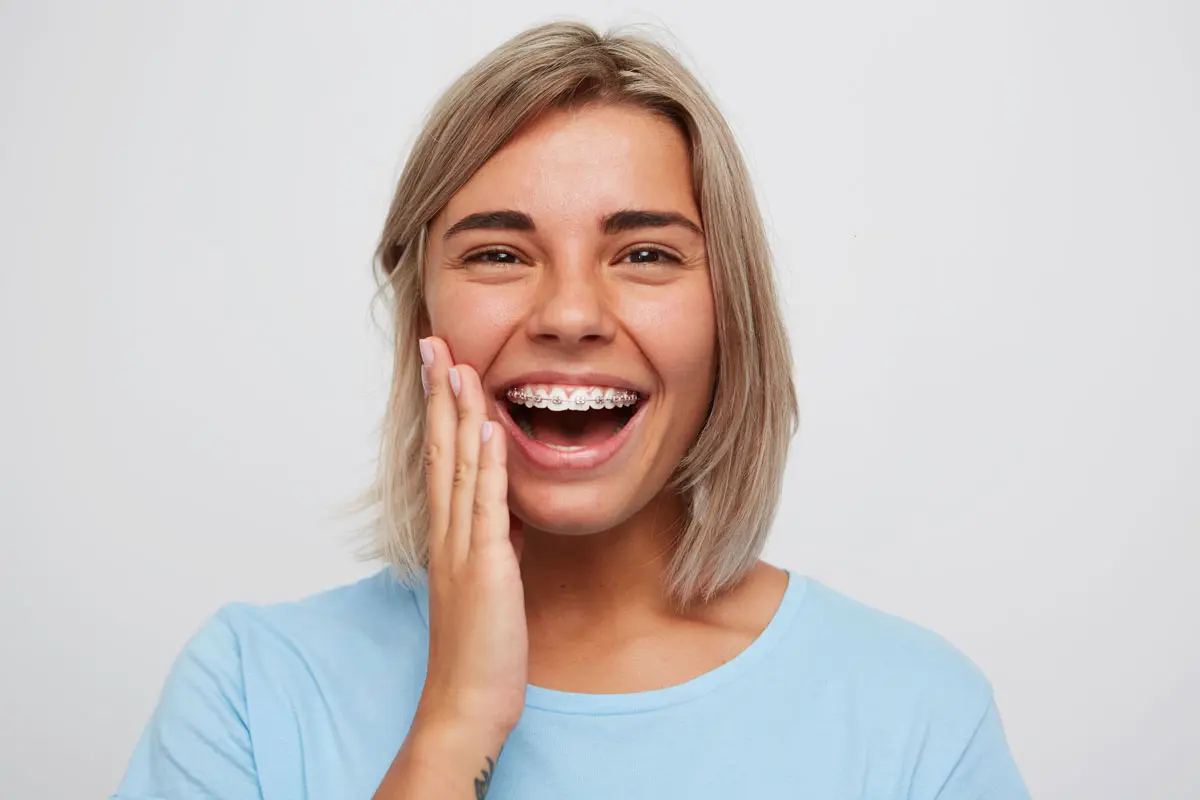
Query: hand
478,640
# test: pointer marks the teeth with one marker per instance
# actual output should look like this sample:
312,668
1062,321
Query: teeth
570,398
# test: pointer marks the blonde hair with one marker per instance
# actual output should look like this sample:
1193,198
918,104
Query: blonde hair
731,476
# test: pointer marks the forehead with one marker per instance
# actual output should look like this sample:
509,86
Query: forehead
575,166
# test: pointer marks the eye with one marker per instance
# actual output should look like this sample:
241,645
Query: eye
493,256
649,255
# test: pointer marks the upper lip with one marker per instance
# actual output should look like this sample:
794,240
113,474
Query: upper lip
572,379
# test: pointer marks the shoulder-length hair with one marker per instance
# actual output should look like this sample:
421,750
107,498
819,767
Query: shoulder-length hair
731,476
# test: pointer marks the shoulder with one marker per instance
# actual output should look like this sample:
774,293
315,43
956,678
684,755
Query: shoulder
881,673
878,648
248,661
377,611
919,701
913,698
255,667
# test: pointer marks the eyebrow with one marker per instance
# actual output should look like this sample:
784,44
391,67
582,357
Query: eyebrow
617,222
491,221
630,220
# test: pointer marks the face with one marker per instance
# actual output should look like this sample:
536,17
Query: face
571,273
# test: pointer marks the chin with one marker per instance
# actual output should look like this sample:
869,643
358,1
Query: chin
573,510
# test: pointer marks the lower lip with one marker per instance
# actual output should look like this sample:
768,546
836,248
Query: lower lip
551,458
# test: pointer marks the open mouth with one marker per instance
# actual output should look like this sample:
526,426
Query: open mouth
570,418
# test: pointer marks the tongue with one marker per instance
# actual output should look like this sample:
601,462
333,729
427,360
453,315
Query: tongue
573,428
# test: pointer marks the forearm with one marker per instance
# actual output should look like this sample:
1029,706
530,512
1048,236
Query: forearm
442,761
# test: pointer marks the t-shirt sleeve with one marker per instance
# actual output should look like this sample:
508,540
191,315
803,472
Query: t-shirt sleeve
985,770
197,743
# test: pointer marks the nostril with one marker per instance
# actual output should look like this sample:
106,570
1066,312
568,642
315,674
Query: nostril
573,316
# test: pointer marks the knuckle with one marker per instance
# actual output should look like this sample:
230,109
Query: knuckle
433,455
480,510
463,471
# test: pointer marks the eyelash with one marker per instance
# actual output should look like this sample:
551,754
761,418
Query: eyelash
663,254
477,257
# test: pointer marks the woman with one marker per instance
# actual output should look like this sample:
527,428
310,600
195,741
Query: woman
574,512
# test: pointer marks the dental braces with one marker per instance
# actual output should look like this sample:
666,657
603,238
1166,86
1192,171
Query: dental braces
556,401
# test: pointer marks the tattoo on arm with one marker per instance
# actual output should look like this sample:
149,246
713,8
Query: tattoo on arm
482,784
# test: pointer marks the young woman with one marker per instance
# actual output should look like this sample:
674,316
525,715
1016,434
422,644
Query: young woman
582,456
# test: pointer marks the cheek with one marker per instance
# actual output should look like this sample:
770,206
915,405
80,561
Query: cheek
677,333
473,319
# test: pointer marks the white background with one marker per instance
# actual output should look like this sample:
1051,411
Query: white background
986,220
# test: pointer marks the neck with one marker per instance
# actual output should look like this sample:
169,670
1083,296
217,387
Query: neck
620,571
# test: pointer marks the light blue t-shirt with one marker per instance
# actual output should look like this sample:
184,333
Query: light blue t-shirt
311,700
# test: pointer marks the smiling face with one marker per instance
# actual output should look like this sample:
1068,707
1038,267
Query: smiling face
571,273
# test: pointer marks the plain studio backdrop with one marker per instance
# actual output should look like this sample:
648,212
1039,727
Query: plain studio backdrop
987,225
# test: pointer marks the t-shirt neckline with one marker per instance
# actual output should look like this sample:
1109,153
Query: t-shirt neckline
634,702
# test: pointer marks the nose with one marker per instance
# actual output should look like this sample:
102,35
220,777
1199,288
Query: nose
573,308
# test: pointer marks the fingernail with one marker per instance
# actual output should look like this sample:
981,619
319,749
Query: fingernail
486,431
425,379
455,381
426,352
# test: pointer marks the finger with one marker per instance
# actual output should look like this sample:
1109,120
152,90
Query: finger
491,523
471,414
516,532
441,426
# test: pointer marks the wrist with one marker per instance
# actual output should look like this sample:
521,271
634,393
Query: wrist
442,756
441,737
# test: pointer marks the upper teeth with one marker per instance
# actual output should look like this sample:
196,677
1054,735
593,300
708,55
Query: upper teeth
570,398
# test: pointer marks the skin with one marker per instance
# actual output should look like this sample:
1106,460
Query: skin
571,597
